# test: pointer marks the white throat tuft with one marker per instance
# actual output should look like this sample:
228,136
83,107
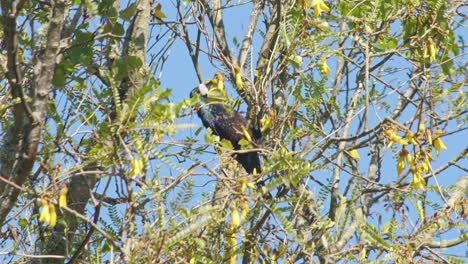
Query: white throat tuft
203,89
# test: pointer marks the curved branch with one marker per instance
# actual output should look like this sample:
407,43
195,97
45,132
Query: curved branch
215,15
247,41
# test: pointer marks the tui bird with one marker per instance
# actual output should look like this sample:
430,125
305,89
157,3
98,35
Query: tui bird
227,124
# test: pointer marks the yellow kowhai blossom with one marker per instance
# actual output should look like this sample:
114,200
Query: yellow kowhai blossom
281,250
45,213
53,216
48,214
403,156
412,138
136,167
219,81
303,4
238,77
231,258
429,137
63,197
246,134
158,13
266,123
437,142
400,164
432,50
274,256
418,182
244,206
231,235
235,219
324,69
417,156
422,126
246,183
408,157
319,7
393,137
250,184
354,154
266,250
424,166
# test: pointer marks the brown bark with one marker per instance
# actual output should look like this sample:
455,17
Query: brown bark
19,150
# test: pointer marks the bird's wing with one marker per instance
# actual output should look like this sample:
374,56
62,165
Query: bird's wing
228,125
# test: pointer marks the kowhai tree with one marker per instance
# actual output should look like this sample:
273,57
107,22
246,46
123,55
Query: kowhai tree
355,110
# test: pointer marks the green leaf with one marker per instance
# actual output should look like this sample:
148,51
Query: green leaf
82,37
134,62
198,131
22,222
122,69
158,13
217,95
226,144
118,29
295,60
60,78
244,142
128,12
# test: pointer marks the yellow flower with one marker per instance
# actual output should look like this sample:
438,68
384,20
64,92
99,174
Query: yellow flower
429,137
418,182
238,77
246,134
136,167
231,235
424,166
324,69
219,81
267,122
354,154
407,157
45,213
438,144
53,216
422,126
235,219
400,164
303,4
393,137
158,13
244,206
417,156
63,197
412,138
48,214
281,250
231,258
250,184
432,50
319,7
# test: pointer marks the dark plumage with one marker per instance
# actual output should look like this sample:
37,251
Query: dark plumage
227,124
